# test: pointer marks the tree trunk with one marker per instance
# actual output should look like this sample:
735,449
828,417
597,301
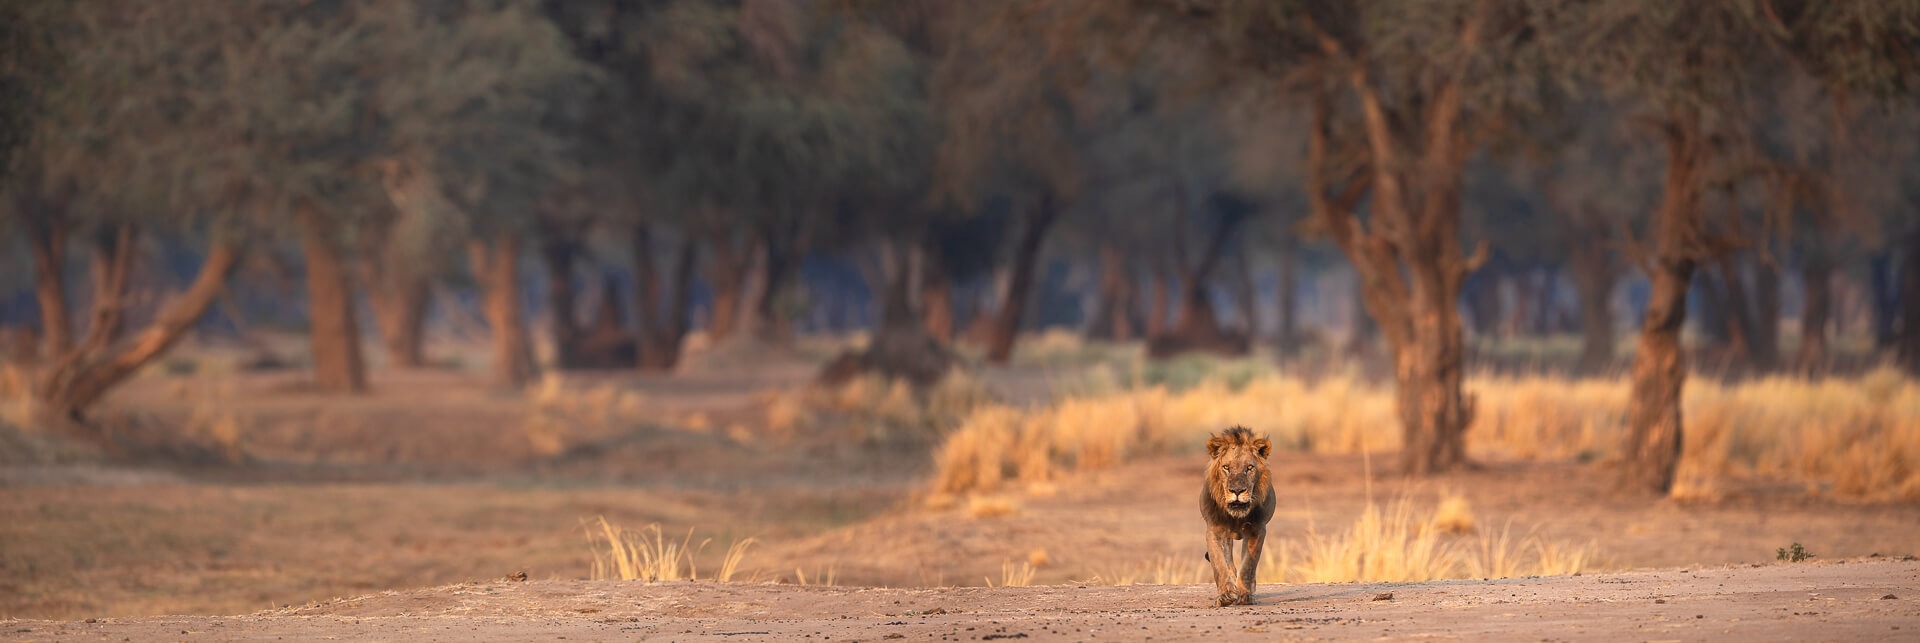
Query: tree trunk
1593,278
1157,300
1816,314
1655,431
1909,333
936,297
48,238
557,252
1246,296
79,382
661,336
1114,319
901,347
1884,297
1289,338
113,254
1737,315
1408,257
783,251
726,277
1766,315
497,265
399,301
333,331
1026,265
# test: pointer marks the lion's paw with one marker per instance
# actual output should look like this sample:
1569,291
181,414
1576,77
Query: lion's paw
1231,598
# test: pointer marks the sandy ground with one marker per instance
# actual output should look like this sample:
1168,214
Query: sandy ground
1852,600
435,479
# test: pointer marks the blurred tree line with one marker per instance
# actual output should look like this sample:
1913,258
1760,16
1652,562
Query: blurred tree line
696,160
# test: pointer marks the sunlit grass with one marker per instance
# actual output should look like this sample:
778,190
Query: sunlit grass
1394,543
647,554
1012,575
1855,438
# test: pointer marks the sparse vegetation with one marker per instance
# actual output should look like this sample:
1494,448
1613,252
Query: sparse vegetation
1793,553
648,555
1398,543
1855,438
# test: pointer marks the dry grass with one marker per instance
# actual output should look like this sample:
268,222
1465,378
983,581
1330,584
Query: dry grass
1012,575
1400,543
648,555
1855,438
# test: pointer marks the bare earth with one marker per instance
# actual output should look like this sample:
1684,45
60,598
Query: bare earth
1852,600
387,498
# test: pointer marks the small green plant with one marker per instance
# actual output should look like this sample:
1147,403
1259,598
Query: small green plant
1792,554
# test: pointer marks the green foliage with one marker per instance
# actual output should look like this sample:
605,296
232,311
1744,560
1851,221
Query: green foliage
1792,554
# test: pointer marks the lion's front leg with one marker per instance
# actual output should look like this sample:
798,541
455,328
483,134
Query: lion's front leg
1220,553
1250,569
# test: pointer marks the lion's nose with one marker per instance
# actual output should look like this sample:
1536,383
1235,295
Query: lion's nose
1237,490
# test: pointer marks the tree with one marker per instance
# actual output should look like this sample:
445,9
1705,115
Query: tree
127,118
1692,67
1418,79
475,135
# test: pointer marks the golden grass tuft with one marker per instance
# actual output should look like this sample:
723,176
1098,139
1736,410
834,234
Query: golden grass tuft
1856,438
1012,575
647,554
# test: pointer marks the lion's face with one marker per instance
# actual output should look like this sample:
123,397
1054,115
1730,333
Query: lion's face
1238,473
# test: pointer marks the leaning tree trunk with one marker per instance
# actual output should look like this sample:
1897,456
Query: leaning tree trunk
84,376
498,267
113,254
48,238
1026,265
1593,279
1655,431
333,332
1816,276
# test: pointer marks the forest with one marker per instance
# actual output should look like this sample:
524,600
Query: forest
958,220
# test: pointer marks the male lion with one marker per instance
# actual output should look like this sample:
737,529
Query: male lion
1237,503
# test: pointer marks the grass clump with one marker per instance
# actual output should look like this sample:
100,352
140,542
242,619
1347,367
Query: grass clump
1400,543
648,555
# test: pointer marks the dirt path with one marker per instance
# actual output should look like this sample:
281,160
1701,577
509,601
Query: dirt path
1852,600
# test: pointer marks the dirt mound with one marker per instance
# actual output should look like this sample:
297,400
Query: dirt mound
1841,600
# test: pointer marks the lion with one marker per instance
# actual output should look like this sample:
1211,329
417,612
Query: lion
1236,503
